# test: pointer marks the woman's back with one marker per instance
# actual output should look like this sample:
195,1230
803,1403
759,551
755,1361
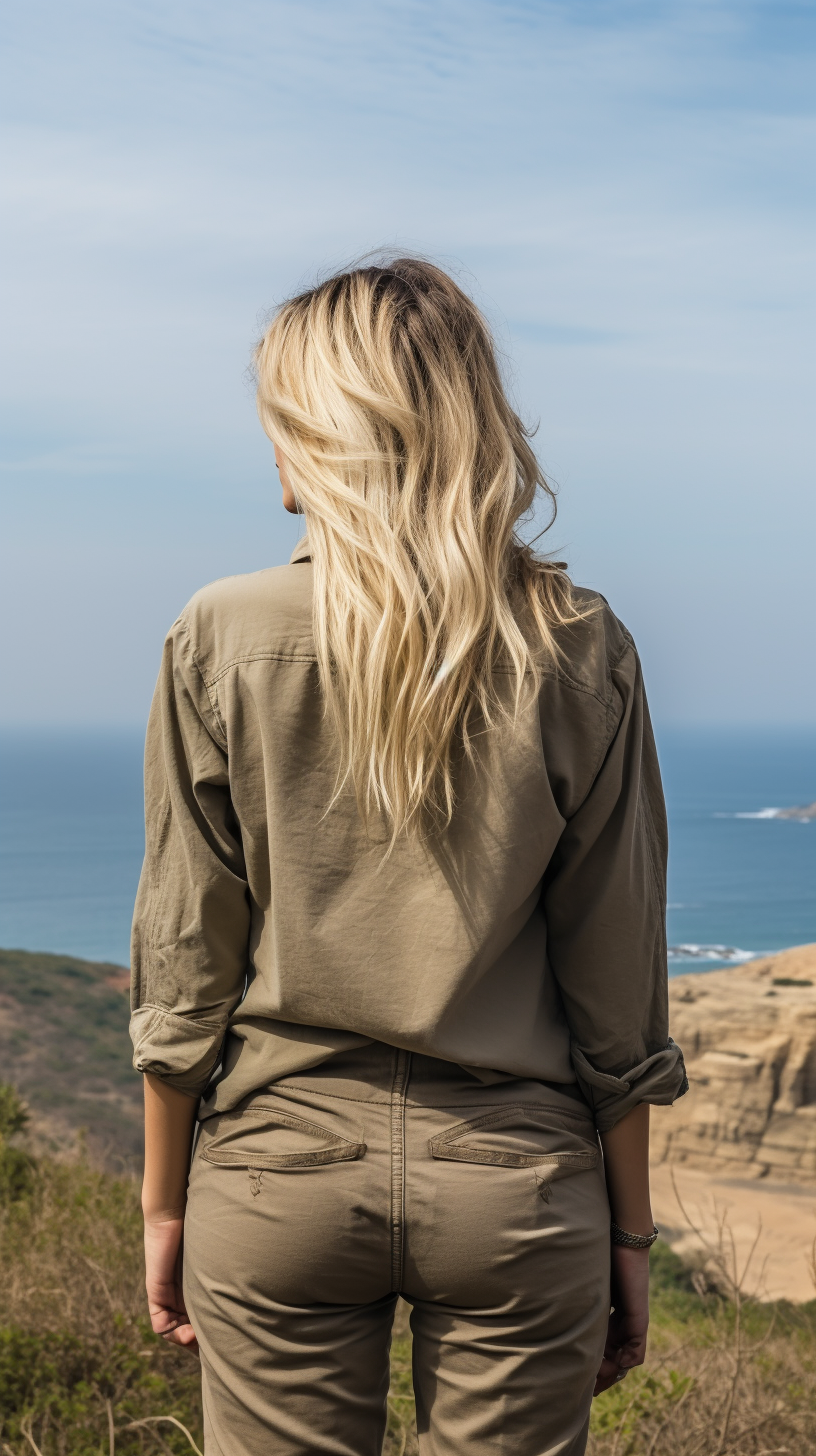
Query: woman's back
269,912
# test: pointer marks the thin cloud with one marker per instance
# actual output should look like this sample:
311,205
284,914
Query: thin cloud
623,185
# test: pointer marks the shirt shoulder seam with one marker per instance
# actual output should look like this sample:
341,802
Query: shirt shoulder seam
259,657
612,718
220,726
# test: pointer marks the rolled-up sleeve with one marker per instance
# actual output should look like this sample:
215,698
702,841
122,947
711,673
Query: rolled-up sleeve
191,925
605,905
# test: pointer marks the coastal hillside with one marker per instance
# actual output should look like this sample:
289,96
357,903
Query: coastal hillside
64,1044
749,1038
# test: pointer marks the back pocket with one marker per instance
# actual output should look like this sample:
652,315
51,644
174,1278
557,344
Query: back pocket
520,1137
270,1137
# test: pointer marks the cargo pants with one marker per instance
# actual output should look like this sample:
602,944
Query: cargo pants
316,1203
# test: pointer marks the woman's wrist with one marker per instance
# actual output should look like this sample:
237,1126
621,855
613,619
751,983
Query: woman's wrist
632,1217
624,1239
169,1126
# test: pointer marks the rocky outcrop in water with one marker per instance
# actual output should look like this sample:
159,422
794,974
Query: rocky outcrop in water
749,1038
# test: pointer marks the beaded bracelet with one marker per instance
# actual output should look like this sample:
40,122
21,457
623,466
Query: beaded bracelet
633,1241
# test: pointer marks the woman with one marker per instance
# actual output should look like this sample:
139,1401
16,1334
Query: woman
399,940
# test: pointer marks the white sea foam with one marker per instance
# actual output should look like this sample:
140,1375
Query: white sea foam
760,814
793,816
754,814
728,953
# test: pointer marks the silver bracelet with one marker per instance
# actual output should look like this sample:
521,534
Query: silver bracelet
633,1241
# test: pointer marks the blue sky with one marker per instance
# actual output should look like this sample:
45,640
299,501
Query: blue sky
626,188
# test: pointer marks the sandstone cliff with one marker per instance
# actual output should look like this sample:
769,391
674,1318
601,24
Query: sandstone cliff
749,1038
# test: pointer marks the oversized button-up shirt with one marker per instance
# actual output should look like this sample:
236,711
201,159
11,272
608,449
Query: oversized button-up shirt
272,931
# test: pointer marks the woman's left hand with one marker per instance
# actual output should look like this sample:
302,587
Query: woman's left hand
629,1321
163,1273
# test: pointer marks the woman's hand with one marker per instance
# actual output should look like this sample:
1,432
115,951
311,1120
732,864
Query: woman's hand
169,1120
629,1321
626,1165
163,1265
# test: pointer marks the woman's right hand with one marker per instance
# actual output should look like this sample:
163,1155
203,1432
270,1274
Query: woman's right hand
164,1240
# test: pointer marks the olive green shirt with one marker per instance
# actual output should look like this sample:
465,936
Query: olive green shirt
271,931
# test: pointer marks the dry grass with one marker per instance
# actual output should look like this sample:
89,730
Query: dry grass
81,1373
80,1369
713,1399
401,1437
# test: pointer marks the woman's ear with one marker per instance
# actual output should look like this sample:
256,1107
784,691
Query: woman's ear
289,499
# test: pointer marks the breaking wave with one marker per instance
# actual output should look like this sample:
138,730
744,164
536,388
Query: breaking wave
730,954
759,814
798,814
752,814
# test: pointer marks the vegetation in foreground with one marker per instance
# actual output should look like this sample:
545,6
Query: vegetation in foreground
81,1372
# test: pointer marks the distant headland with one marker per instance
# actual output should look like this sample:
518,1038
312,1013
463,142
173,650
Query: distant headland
802,812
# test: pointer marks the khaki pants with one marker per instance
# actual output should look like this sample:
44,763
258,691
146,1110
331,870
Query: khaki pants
316,1203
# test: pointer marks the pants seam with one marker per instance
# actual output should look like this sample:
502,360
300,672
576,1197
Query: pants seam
399,1085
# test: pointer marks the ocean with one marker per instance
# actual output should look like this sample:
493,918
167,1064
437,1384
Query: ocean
741,882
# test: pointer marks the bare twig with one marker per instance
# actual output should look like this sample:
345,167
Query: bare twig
754,1426
652,1447
743,1276
100,1276
111,1431
156,1436
157,1420
26,1431
621,1426
732,1389
664,1360
763,1340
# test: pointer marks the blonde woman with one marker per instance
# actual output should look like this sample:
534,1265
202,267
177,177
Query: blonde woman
399,941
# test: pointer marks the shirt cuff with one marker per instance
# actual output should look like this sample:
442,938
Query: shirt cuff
181,1051
660,1079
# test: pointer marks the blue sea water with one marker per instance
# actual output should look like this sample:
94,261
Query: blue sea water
71,842
738,885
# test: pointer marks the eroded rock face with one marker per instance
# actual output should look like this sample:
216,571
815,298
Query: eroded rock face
749,1039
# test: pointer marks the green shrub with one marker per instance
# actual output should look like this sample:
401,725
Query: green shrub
16,1166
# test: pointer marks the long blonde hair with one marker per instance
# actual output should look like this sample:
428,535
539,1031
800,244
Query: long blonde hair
381,388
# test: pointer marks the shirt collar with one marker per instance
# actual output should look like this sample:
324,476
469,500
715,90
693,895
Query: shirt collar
301,551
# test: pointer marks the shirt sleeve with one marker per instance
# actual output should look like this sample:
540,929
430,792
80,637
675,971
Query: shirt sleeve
605,904
189,950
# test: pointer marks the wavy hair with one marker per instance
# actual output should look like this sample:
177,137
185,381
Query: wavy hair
381,388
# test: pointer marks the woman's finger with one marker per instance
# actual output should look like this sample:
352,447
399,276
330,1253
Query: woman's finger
184,1336
608,1375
